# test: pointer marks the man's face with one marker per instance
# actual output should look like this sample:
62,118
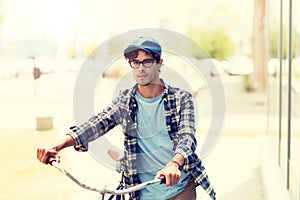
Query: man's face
146,75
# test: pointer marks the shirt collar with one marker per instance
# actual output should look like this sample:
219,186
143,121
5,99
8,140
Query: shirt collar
166,89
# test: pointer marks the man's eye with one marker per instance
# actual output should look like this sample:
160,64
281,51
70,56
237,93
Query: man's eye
147,61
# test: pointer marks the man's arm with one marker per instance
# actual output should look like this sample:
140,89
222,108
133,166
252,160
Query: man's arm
43,154
178,159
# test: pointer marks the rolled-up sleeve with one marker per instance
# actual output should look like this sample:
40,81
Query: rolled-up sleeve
79,145
186,145
95,127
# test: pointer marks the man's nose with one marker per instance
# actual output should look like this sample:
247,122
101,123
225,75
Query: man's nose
141,66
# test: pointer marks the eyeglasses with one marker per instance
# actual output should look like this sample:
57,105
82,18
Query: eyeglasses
146,63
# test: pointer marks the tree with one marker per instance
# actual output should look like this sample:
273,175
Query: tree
259,42
216,42
1,12
274,42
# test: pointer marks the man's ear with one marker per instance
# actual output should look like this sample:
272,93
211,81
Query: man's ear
161,61
160,64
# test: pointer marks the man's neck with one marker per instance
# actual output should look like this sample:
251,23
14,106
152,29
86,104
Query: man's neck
151,91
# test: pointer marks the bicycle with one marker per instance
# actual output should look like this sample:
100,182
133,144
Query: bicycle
120,190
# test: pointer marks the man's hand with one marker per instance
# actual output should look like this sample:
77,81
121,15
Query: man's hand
171,172
43,154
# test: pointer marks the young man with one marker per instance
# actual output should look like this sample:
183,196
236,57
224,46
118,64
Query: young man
158,124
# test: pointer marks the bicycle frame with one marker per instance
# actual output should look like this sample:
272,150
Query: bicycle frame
105,190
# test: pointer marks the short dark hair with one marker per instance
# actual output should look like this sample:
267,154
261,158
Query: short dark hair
133,54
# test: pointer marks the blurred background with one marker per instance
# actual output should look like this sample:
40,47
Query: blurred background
255,48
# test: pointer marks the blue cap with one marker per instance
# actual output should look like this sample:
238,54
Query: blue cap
144,43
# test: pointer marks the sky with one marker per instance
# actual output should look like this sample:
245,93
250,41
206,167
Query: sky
88,18
61,18
84,21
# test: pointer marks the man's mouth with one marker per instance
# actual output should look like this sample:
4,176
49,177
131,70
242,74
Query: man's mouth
141,76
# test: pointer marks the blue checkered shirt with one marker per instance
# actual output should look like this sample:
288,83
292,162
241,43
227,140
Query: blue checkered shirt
179,112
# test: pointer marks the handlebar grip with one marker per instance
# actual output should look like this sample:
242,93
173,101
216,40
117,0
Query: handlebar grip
162,179
50,160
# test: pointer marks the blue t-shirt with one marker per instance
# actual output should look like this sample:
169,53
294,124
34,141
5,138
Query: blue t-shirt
155,148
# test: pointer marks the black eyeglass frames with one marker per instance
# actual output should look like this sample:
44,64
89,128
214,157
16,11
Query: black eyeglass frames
146,63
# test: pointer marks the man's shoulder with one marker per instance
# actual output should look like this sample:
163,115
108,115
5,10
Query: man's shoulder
127,93
177,91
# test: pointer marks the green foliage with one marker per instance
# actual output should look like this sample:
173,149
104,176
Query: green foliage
247,83
1,12
71,52
274,43
89,48
216,42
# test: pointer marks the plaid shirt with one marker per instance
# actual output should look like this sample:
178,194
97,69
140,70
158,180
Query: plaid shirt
179,111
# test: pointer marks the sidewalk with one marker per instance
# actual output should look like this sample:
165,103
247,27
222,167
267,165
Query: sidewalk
233,168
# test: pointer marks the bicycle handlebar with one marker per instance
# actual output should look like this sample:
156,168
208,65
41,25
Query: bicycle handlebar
140,186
